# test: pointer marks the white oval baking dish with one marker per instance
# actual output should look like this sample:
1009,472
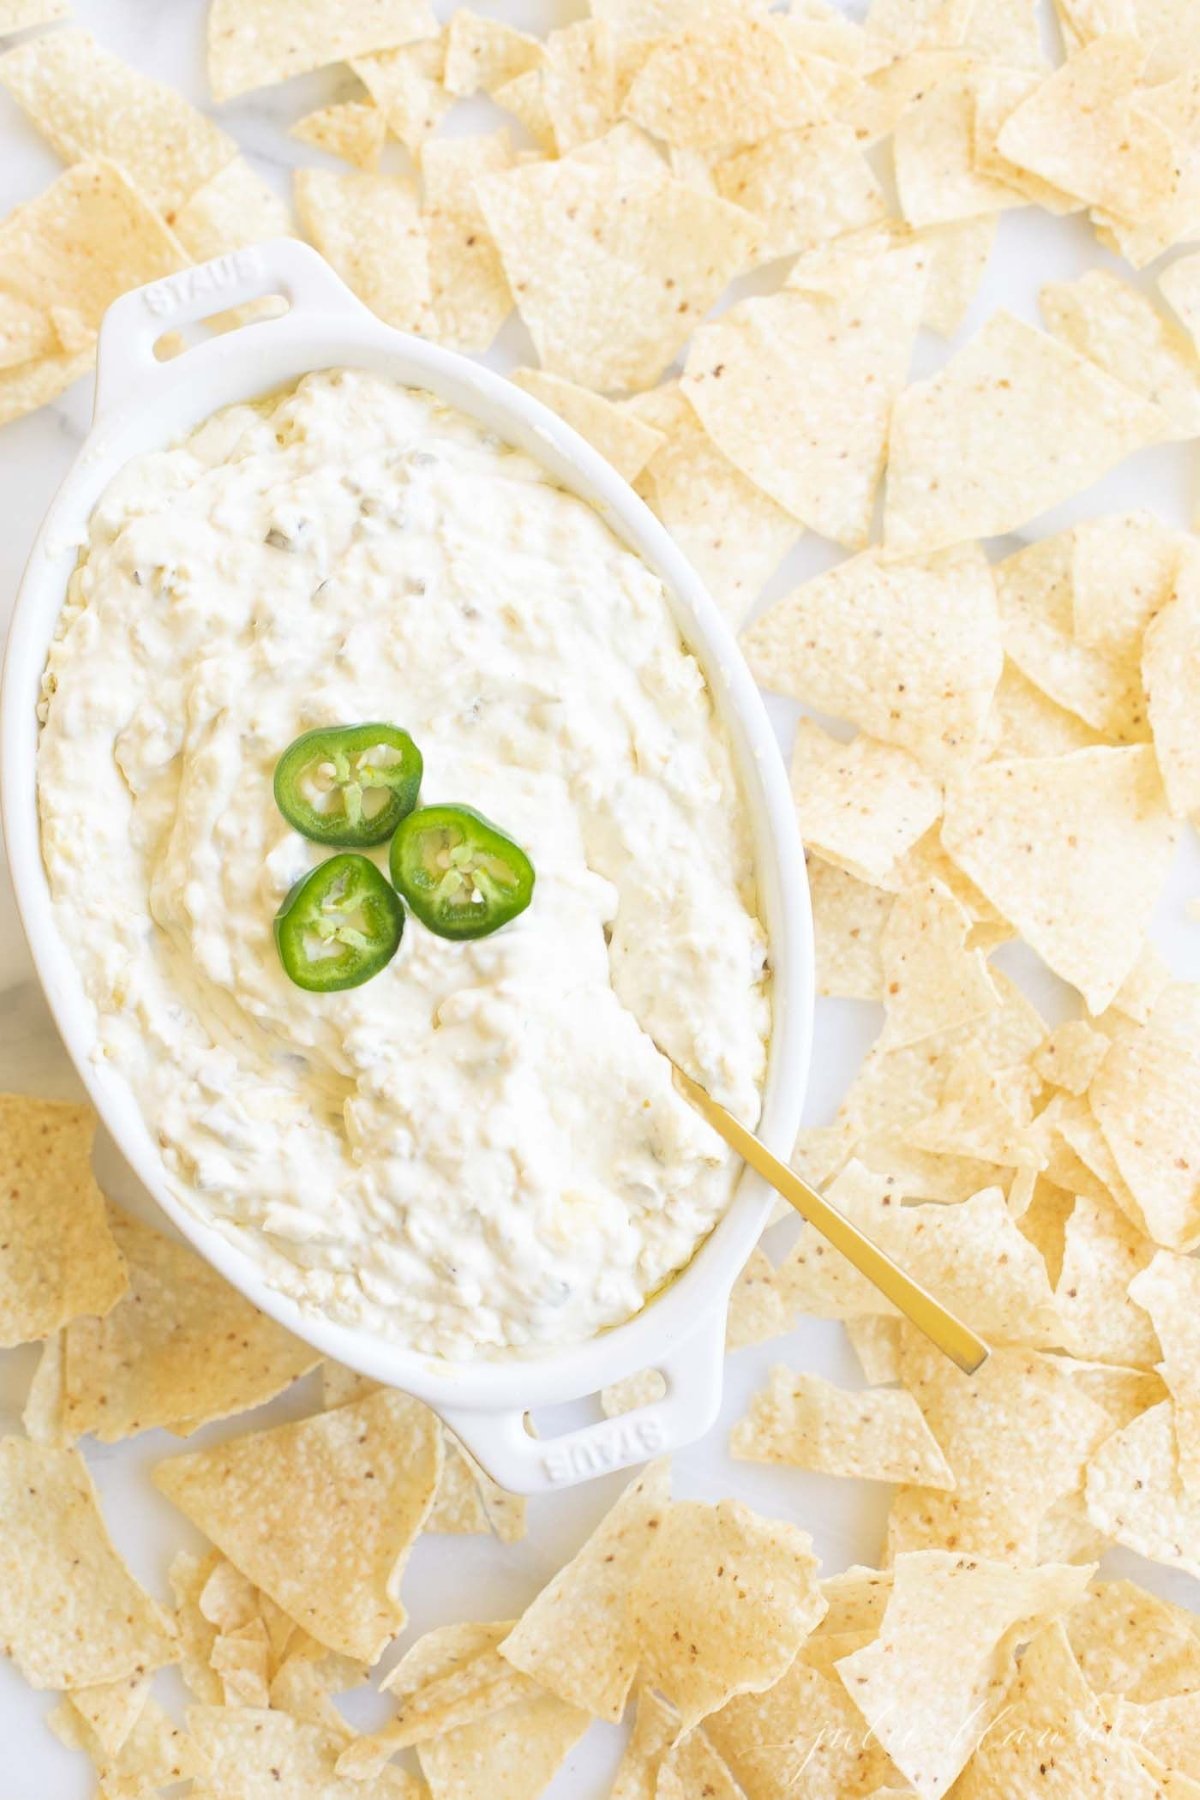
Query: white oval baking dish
140,405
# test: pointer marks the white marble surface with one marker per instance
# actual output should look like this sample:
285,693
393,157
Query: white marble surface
464,1578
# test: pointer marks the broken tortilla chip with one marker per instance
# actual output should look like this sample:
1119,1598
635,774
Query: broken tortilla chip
616,432
1135,1495
726,81
406,86
931,981
860,805
1109,321
808,1423
470,295
369,227
485,53
806,186
355,130
848,920
1169,1290
1144,1102
256,43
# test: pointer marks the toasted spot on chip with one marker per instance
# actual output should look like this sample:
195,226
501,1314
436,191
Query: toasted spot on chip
611,272
861,805
808,1423
1135,1495
1144,1101
1014,423
71,1614
255,43
370,229
721,1603
321,1514
1074,850
58,1257
948,1635
910,652
619,435
355,130
796,390
733,534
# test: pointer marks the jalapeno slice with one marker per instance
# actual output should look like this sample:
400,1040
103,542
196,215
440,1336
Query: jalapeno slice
348,784
460,874
339,925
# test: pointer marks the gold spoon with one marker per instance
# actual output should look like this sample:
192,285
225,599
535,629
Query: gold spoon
941,1327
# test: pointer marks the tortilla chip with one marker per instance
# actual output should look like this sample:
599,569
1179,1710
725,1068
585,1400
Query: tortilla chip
643,1388
355,130
57,1255
1166,1736
910,652
1109,321
1144,1101
1135,1495
88,103
1071,1055
1104,845
1024,722
655,1727
983,1113
692,1768
806,186
252,1753
610,272
471,298
618,434
997,93
947,1635
1123,571
1171,674
525,98
628,148
875,1342
971,1256
937,179
726,81
241,1659
731,532
181,1349
1130,1642
406,86
485,53
111,1710
1169,1289
1035,596
71,1614
808,1423
1080,132
1179,285
1052,1719
1017,1435
233,208
370,228
1102,1254
757,1309
958,258
1014,423
321,1514
188,1576
803,1738
256,43
848,920
18,15
579,82
796,390
593,1670
156,1754
931,981
860,805
720,1604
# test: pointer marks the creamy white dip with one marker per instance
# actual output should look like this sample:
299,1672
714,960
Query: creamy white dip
480,1149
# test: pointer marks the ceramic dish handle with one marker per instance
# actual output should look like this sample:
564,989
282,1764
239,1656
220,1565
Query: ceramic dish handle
125,361
693,1371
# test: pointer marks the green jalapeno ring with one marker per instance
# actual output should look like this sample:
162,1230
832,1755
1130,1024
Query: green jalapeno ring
460,874
339,925
343,762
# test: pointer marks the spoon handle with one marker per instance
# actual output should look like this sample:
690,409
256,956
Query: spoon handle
941,1327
